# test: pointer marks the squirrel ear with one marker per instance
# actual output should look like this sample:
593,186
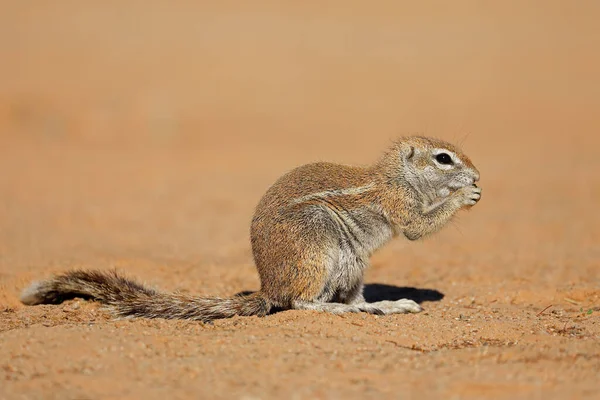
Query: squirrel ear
409,153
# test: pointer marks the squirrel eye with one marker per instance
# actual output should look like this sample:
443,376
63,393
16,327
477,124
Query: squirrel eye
444,158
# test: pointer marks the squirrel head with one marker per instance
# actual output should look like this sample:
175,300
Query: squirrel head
432,167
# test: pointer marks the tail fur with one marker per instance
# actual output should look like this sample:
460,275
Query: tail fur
129,298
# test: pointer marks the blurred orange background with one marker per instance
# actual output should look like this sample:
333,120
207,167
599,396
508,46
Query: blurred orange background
141,134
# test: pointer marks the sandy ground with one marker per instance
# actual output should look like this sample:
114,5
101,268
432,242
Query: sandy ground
141,135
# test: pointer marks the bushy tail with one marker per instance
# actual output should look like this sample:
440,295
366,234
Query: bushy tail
129,298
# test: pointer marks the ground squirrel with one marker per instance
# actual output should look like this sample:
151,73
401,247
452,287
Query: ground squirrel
312,235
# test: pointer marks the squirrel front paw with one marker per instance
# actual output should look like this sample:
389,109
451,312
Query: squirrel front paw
469,195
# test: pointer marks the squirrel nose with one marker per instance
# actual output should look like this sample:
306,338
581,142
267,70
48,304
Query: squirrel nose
475,176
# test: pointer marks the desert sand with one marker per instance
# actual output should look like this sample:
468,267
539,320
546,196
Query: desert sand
141,135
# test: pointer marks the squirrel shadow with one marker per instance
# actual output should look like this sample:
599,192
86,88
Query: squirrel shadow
375,292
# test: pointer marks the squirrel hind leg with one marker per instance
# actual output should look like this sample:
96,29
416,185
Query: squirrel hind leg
402,306
335,308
